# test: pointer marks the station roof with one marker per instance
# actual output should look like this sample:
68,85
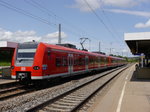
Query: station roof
6,45
138,42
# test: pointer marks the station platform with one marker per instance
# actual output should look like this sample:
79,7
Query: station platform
5,80
127,94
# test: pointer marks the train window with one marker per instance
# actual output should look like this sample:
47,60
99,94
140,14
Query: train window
80,61
113,60
97,60
58,62
75,60
26,55
48,53
89,60
83,61
64,60
102,61
92,60
108,60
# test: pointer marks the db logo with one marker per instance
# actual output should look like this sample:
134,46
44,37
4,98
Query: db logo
23,68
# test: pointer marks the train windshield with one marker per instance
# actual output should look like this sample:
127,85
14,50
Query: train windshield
25,54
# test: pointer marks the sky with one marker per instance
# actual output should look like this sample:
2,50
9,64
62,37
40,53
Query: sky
101,21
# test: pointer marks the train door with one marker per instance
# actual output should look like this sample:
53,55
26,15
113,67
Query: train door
70,63
86,62
99,61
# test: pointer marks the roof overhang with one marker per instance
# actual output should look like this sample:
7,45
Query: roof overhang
138,42
5,45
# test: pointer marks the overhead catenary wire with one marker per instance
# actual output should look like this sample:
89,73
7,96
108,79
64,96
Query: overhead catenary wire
117,34
29,14
66,22
21,11
39,7
74,30
109,21
50,14
100,19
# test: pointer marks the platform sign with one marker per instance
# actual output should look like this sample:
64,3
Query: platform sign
142,55
142,59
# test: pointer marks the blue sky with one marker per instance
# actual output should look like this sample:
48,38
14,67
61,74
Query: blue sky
103,21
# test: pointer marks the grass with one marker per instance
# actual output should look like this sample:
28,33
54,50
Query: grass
5,63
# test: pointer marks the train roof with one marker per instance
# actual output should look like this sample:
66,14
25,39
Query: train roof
77,50
57,47
71,50
28,45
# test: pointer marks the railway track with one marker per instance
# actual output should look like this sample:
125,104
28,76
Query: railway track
13,91
73,99
9,85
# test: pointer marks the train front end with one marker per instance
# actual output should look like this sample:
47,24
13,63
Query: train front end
23,61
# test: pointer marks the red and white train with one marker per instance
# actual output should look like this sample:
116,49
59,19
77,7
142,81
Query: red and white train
37,61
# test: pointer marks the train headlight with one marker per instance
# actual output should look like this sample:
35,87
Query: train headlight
36,67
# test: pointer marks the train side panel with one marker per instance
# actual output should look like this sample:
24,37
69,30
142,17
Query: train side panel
55,61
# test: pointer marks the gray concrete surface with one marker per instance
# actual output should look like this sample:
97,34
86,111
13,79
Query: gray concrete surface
127,94
143,73
4,81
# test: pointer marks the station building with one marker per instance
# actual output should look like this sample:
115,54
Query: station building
6,52
139,44
8,47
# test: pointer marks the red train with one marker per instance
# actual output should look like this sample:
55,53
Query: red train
35,61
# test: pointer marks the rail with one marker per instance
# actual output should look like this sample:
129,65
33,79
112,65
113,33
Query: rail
51,103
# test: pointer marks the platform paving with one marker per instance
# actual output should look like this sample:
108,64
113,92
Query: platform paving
127,94
4,80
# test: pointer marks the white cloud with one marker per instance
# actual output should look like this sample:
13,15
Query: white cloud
55,35
84,5
143,25
25,36
136,13
120,3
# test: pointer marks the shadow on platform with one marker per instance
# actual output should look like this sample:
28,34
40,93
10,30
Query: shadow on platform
141,75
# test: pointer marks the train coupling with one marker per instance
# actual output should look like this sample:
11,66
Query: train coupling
23,75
